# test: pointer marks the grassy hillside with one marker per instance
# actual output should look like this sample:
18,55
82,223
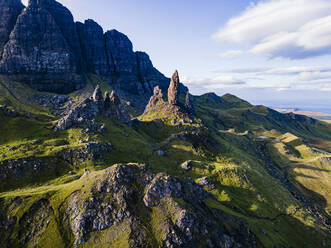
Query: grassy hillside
272,171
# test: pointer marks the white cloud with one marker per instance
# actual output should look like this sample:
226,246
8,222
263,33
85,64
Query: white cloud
243,70
25,2
303,72
297,70
213,83
231,54
282,28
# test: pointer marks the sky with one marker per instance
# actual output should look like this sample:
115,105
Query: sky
271,52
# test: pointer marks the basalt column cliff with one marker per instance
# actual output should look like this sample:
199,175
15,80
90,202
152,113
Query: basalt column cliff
42,46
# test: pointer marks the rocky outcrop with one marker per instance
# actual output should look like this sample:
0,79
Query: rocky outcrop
86,111
156,99
88,151
116,109
121,189
114,99
83,113
173,90
93,47
19,172
9,11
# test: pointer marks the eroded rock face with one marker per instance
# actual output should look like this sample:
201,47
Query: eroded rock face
36,45
65,22
173,90
43,47
39,54
117,193
93,47
120,50
156,99
116,109
147,73
88,151
83,113
86,111
9,11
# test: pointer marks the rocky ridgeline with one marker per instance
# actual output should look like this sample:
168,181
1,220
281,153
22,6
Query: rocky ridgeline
86,111
43,46
114,197
157,103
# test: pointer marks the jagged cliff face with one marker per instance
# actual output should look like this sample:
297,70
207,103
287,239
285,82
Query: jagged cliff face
93,47
9,11
36,44
43,46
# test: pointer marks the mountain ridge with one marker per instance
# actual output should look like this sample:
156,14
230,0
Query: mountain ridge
122,156
46,43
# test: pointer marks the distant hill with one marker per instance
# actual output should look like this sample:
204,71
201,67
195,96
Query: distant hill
316,115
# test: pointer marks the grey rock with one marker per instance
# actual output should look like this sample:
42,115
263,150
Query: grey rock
156,98
160,153
187,165
39,51
207,183
85,112
120,50
173,90
114,99
35,142
117,110
93,47
65,21
9,11
97,94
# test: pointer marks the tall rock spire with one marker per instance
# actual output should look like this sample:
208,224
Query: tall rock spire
114,99
97,94
173,90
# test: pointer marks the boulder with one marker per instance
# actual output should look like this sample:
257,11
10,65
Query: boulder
187,165
207,183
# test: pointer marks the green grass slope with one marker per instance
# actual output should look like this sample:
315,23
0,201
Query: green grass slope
276,177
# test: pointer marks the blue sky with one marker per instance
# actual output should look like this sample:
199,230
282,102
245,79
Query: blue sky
271,52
